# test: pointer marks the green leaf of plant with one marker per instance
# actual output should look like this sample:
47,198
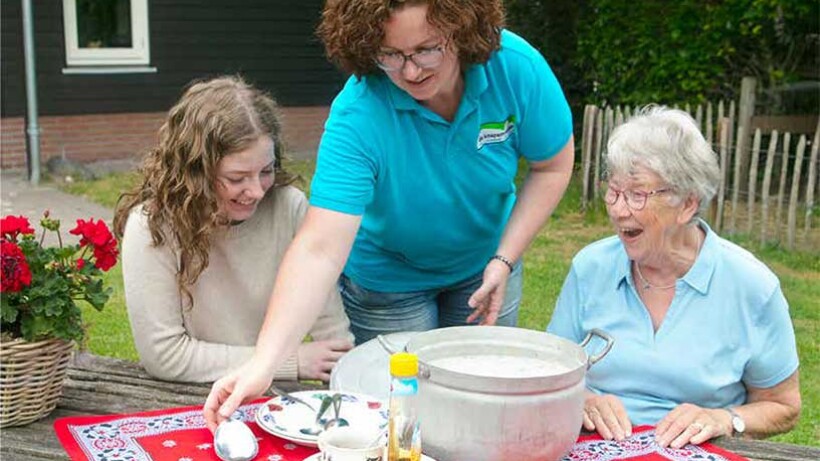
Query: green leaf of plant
8,312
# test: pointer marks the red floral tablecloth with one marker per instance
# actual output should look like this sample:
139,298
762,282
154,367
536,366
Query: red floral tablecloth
179,434
642,447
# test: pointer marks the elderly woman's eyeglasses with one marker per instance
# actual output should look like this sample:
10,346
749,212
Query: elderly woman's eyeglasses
425,58
635,199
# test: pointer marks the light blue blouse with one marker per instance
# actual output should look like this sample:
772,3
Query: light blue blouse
728,325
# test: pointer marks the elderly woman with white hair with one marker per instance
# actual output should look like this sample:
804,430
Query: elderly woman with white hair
704,346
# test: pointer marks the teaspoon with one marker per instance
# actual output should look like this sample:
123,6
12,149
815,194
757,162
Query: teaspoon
286,395
234,441
318,424
337,420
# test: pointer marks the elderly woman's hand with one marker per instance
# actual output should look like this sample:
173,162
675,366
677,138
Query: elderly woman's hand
688,423
606,415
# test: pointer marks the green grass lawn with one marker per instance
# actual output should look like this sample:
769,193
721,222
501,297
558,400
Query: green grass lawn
546,264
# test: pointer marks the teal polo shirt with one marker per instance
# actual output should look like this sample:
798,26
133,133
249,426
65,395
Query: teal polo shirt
728,326
434,195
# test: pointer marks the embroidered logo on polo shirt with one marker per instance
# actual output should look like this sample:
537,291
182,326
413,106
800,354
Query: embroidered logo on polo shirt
491,132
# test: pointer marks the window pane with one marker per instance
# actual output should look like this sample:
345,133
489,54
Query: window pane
104,23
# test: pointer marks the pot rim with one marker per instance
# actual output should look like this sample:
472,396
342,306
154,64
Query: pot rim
538,344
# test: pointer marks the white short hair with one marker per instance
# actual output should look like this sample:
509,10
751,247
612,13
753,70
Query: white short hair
669,143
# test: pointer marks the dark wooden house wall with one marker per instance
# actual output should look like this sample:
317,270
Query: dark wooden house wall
12,70
270,42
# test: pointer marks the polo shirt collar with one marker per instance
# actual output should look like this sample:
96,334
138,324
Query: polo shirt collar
475,83
401,100
699,275
622,268
475,79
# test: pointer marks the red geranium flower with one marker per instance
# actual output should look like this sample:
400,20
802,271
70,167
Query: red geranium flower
99,236
16,272
12,226
105,257
96,234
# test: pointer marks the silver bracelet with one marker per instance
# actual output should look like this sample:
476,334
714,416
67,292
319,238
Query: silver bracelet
504,260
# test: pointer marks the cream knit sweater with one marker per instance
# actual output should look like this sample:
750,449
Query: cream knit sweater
203,343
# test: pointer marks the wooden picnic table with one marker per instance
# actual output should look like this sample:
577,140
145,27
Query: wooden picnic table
101,385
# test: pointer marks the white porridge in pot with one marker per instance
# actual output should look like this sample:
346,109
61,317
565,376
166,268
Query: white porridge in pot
500,366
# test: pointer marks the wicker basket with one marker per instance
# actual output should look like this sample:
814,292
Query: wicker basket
31,378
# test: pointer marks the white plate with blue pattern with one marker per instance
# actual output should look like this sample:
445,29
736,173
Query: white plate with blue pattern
292,421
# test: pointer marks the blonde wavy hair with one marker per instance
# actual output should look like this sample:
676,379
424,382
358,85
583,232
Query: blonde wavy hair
212,119
352,30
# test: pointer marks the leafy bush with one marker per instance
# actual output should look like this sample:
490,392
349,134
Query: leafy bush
635,52
693,50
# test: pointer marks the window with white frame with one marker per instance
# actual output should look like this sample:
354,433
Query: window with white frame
106,32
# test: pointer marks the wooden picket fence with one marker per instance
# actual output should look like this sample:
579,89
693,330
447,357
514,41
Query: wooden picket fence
757,186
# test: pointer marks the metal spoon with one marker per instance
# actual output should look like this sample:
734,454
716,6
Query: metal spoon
318,423
234,441
337,420
286,395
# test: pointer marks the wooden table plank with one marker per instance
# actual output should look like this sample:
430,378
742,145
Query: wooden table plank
101,385
761,450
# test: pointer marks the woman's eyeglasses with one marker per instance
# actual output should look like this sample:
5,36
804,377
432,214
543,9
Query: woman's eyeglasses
425,58
635,199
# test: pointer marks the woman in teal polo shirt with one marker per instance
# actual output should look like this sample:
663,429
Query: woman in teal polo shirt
704,343
413,201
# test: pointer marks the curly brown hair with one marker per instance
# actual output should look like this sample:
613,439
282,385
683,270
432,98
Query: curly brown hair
211,120
352,30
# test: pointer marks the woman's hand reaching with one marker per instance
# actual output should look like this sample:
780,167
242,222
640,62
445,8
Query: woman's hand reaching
247,382
317,358
489,297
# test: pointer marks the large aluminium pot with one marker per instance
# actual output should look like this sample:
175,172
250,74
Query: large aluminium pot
471,415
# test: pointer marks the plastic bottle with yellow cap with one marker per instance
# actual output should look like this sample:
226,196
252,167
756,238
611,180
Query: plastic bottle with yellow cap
404,434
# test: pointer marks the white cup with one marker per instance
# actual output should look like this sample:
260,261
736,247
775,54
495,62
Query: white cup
349,444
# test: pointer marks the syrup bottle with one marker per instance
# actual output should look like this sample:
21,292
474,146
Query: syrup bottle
404,434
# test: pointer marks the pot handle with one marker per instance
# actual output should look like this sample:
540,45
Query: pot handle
424,370
603,335
387,345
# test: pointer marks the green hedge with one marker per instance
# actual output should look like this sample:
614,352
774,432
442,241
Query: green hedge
685,51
